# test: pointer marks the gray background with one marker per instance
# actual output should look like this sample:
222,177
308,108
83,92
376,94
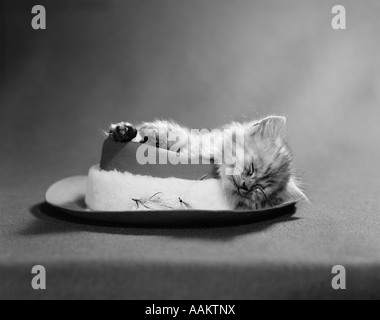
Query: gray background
201,63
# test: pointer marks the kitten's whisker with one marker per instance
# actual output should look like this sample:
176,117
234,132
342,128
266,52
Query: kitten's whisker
104,133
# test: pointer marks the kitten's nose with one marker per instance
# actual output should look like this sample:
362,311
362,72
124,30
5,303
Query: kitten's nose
244,186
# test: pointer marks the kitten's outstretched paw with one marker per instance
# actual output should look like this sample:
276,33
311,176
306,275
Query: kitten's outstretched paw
122,132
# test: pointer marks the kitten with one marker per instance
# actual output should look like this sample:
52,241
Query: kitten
266,177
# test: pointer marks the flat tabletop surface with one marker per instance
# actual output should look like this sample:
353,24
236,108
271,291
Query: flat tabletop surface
61,86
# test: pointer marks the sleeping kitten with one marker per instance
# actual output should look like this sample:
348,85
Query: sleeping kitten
266,177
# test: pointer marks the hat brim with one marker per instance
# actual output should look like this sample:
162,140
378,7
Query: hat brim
68,196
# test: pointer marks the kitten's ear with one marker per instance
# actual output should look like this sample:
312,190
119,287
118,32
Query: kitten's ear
272,127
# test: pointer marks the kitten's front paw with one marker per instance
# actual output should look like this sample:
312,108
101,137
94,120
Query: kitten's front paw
122,132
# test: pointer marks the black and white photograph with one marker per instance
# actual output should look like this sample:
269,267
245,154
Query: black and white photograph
189,155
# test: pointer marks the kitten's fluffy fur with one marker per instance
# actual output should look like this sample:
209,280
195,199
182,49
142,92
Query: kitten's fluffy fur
267,177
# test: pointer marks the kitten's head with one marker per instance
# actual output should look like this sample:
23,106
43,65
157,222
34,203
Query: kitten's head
264,160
